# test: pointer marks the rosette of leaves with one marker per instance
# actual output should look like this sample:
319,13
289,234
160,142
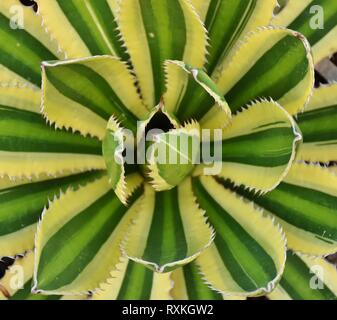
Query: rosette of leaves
80,75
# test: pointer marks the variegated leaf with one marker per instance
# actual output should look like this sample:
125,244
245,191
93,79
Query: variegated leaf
78,239
270,62
22,203
183,83
11,287
155,31
83,27
24,44
305,204
170,231
306,278
318,126
228,21
316,20
91,90
247,256
133,281
256,150
29,147
189,284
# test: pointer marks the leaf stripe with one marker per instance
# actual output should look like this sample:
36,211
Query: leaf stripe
195,286
306,191
302,22
297,278
264,80
103,216
191,106
318,125
155,31
71,79
221,16
298,206
142,277
170,231
163,21
267,148
261,80
22,206
25,131
167,233
96,25
234,245
25,60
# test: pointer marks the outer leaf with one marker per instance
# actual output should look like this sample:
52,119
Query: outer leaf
22,50
133,281
22,203
83,27
29,147
304,16
190,285
306,278
253,73
170,231
318,125
181,82
248,254
257,74
257,149
90,90
78,239
227,21
20,97
305,204
24,266
155,31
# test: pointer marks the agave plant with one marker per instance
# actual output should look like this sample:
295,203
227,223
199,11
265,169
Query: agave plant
83,81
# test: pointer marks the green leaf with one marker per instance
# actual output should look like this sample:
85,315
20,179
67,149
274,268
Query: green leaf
170,231
318,125
181,79
22,50
83,27
270,62
78,239
256,150
91,90
155,31
227,21
316,20
24,266
190,285
22,203
247,256
29,147
306,278
133,281
305,204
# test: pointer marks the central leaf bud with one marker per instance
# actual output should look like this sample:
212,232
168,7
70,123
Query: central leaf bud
172,156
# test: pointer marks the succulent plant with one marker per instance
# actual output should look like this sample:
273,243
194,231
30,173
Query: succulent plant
167,149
